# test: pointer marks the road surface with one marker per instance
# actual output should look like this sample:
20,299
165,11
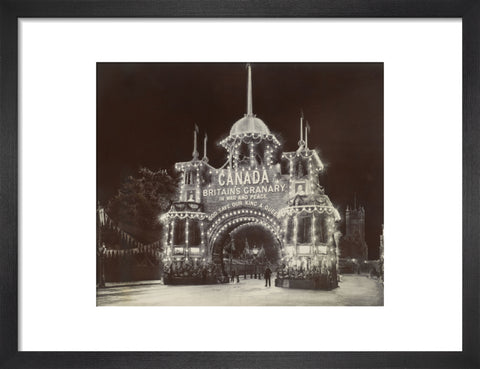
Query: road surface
354,290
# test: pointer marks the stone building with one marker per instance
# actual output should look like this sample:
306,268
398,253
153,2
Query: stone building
353,244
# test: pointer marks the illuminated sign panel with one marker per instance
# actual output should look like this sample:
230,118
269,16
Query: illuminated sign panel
264,188
178,251
322,249
231,185
304,249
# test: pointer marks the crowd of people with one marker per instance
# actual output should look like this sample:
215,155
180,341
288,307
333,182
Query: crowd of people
213,273
207,273
300,273
320,276
202,272
267,272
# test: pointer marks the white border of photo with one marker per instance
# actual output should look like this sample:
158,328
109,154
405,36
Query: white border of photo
423,185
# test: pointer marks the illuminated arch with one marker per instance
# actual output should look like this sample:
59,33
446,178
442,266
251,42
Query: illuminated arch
231,219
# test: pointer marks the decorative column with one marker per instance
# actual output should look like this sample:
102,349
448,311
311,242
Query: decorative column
202,242
295,232
187,224
314,219
252,156
174,226
198,179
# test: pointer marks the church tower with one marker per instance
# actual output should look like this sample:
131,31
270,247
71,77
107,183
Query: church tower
353,245
355,220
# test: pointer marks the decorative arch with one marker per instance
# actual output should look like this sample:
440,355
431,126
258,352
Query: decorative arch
230,219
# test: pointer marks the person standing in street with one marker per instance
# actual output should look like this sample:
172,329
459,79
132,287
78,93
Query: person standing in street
268,273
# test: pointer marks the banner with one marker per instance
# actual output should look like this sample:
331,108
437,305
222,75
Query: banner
136,246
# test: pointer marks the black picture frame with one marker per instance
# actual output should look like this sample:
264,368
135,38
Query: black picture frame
10,11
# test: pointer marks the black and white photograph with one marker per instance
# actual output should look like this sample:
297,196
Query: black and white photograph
240,184
177,173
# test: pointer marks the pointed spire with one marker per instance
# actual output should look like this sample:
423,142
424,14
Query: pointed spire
301,143
195,152
355,200
301,125
205,158
249,91
307,131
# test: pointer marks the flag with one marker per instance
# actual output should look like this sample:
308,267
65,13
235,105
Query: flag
101,213
261,252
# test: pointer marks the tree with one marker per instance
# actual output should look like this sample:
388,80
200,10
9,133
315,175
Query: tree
140,201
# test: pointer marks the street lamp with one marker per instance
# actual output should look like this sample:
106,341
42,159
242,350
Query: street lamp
245,262
255,252
100,224
101,251
232,247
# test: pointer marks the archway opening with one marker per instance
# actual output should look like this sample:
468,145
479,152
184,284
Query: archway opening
253,240
246,249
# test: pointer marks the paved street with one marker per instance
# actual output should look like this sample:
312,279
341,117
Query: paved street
354,290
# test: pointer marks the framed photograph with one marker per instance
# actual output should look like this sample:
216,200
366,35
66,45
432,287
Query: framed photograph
300,188
236,185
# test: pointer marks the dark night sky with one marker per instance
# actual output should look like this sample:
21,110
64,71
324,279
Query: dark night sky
146,114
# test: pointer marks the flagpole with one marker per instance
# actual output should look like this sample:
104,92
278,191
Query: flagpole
301,127
249,92
205,147
245,260
307,128
195,152
194,142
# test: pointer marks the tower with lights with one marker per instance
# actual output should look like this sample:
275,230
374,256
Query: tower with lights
353,244
310,218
